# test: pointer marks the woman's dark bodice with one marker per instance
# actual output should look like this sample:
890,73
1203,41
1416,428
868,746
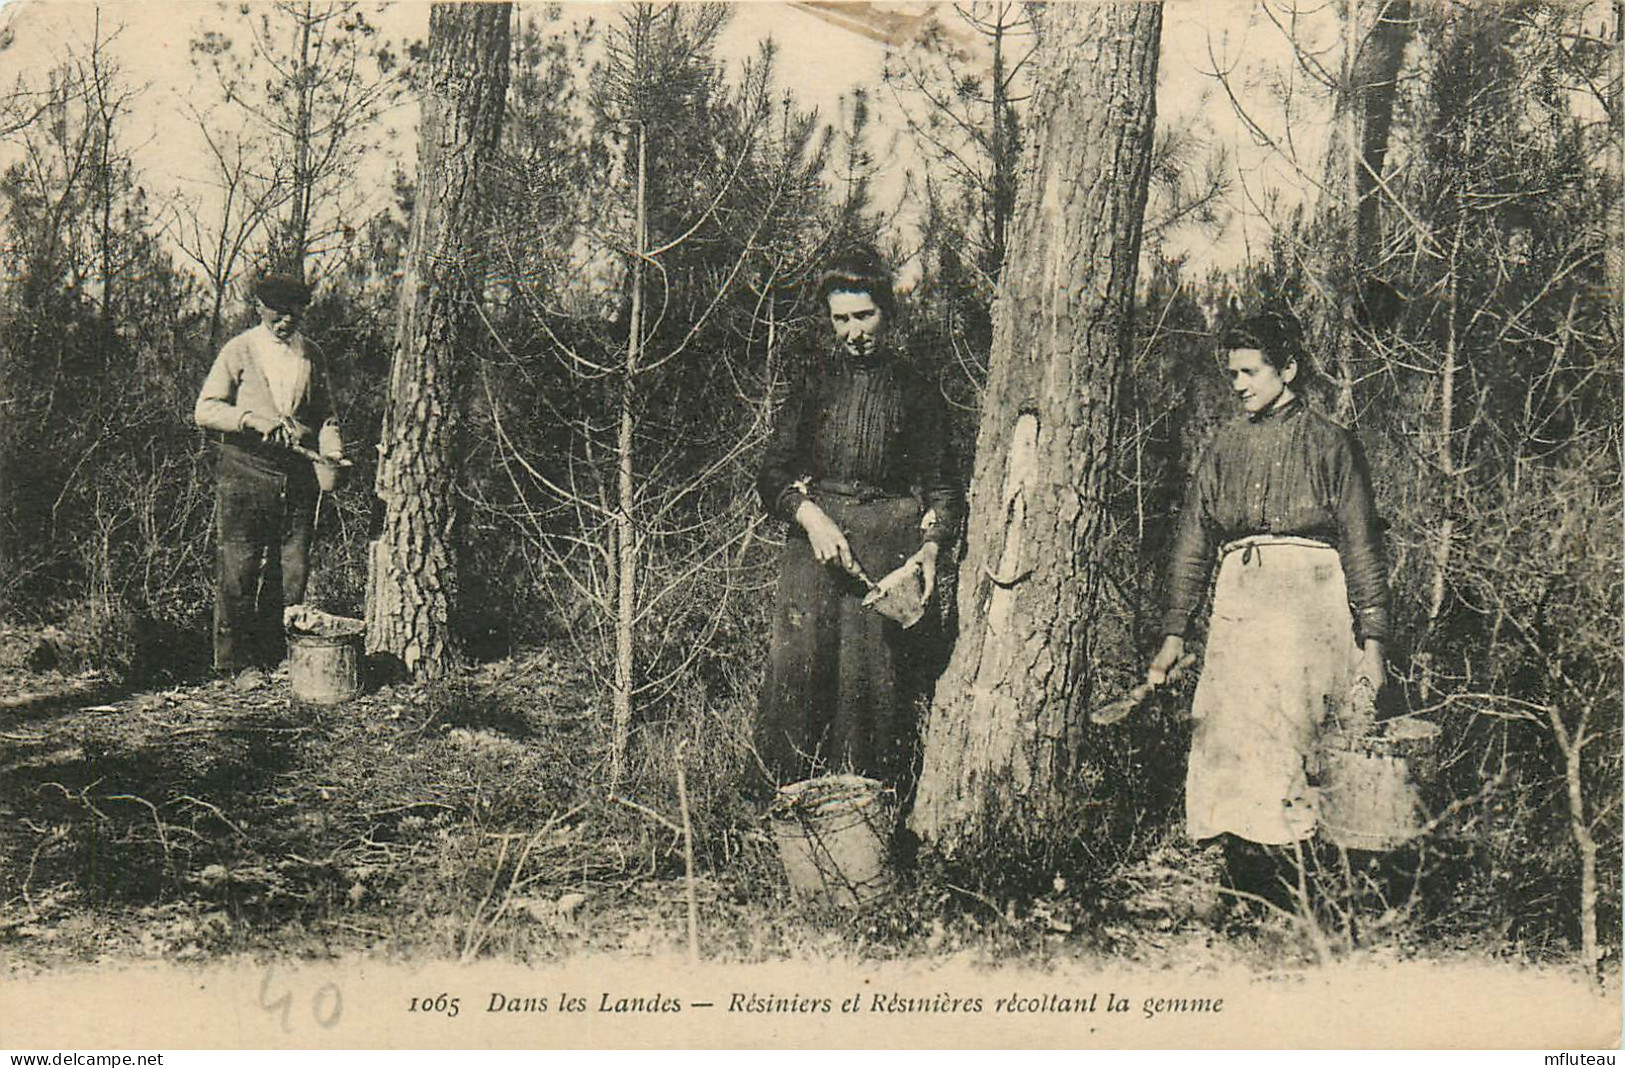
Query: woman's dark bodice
879,429
1288,472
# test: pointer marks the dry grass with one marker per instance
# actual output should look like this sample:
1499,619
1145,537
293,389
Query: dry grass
468,820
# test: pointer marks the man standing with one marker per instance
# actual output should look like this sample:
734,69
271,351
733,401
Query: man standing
267,400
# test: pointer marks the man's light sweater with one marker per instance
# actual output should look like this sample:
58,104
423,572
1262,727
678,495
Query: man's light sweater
257,375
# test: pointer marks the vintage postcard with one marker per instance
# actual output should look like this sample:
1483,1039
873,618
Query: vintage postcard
810,525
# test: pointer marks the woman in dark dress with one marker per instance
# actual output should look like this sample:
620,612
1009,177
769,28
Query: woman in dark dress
860,467
1281,497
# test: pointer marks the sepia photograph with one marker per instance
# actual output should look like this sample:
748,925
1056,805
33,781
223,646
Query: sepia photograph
811,525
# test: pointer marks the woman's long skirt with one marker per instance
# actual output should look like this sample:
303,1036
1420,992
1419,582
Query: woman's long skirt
1281,656
842,680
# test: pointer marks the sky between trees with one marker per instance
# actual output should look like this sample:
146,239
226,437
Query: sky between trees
820,61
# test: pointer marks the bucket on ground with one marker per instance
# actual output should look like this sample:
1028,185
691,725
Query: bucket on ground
834,836
1370,794
324,655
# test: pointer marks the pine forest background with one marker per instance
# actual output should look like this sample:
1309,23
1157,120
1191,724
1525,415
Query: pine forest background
1462,299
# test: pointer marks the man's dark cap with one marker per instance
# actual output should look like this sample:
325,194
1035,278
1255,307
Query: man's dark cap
282,292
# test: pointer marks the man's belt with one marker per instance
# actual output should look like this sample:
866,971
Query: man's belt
256,452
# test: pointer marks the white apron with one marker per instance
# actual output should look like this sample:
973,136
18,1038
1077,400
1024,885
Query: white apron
1280,658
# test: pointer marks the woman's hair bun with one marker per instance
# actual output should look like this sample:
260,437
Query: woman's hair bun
859,272
1272,330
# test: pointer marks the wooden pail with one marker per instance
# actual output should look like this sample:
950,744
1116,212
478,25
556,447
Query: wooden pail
1369,794
324,669
834,837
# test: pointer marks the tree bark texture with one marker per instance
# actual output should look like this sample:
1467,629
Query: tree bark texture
1375,35
626,526
1005,729
412,573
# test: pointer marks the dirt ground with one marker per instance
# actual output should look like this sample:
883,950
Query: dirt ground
466,820
198,820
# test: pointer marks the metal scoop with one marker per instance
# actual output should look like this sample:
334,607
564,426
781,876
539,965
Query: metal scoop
1106,715
321,458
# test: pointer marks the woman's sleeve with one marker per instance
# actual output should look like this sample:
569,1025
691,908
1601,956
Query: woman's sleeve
1365,566
1195,541
787,460
937,468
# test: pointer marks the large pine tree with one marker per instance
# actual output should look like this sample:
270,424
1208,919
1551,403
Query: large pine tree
1003,732
412,574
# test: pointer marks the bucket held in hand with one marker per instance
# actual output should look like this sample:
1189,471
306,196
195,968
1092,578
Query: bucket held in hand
1370,792
328,467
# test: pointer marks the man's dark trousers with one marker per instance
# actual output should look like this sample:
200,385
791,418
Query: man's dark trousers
265,510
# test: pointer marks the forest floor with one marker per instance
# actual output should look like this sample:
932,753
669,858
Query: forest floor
467,820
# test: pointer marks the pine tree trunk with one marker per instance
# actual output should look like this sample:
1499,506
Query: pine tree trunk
1375,35
1376,84
1614,167
1572,745
1004,163
1444,538
626,528
412,573
304,87
8,490
1003,736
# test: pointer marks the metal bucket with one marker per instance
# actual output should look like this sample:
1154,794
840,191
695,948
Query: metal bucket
834,835
325,668
1369,795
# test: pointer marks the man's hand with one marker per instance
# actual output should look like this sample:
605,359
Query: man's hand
286,432
263,425
829,545
926,561
1173,647
294,432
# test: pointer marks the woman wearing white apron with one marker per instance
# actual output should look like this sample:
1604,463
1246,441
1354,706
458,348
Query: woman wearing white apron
1281,498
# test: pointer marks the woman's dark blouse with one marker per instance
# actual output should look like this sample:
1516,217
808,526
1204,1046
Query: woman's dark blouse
878,428
1290,472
